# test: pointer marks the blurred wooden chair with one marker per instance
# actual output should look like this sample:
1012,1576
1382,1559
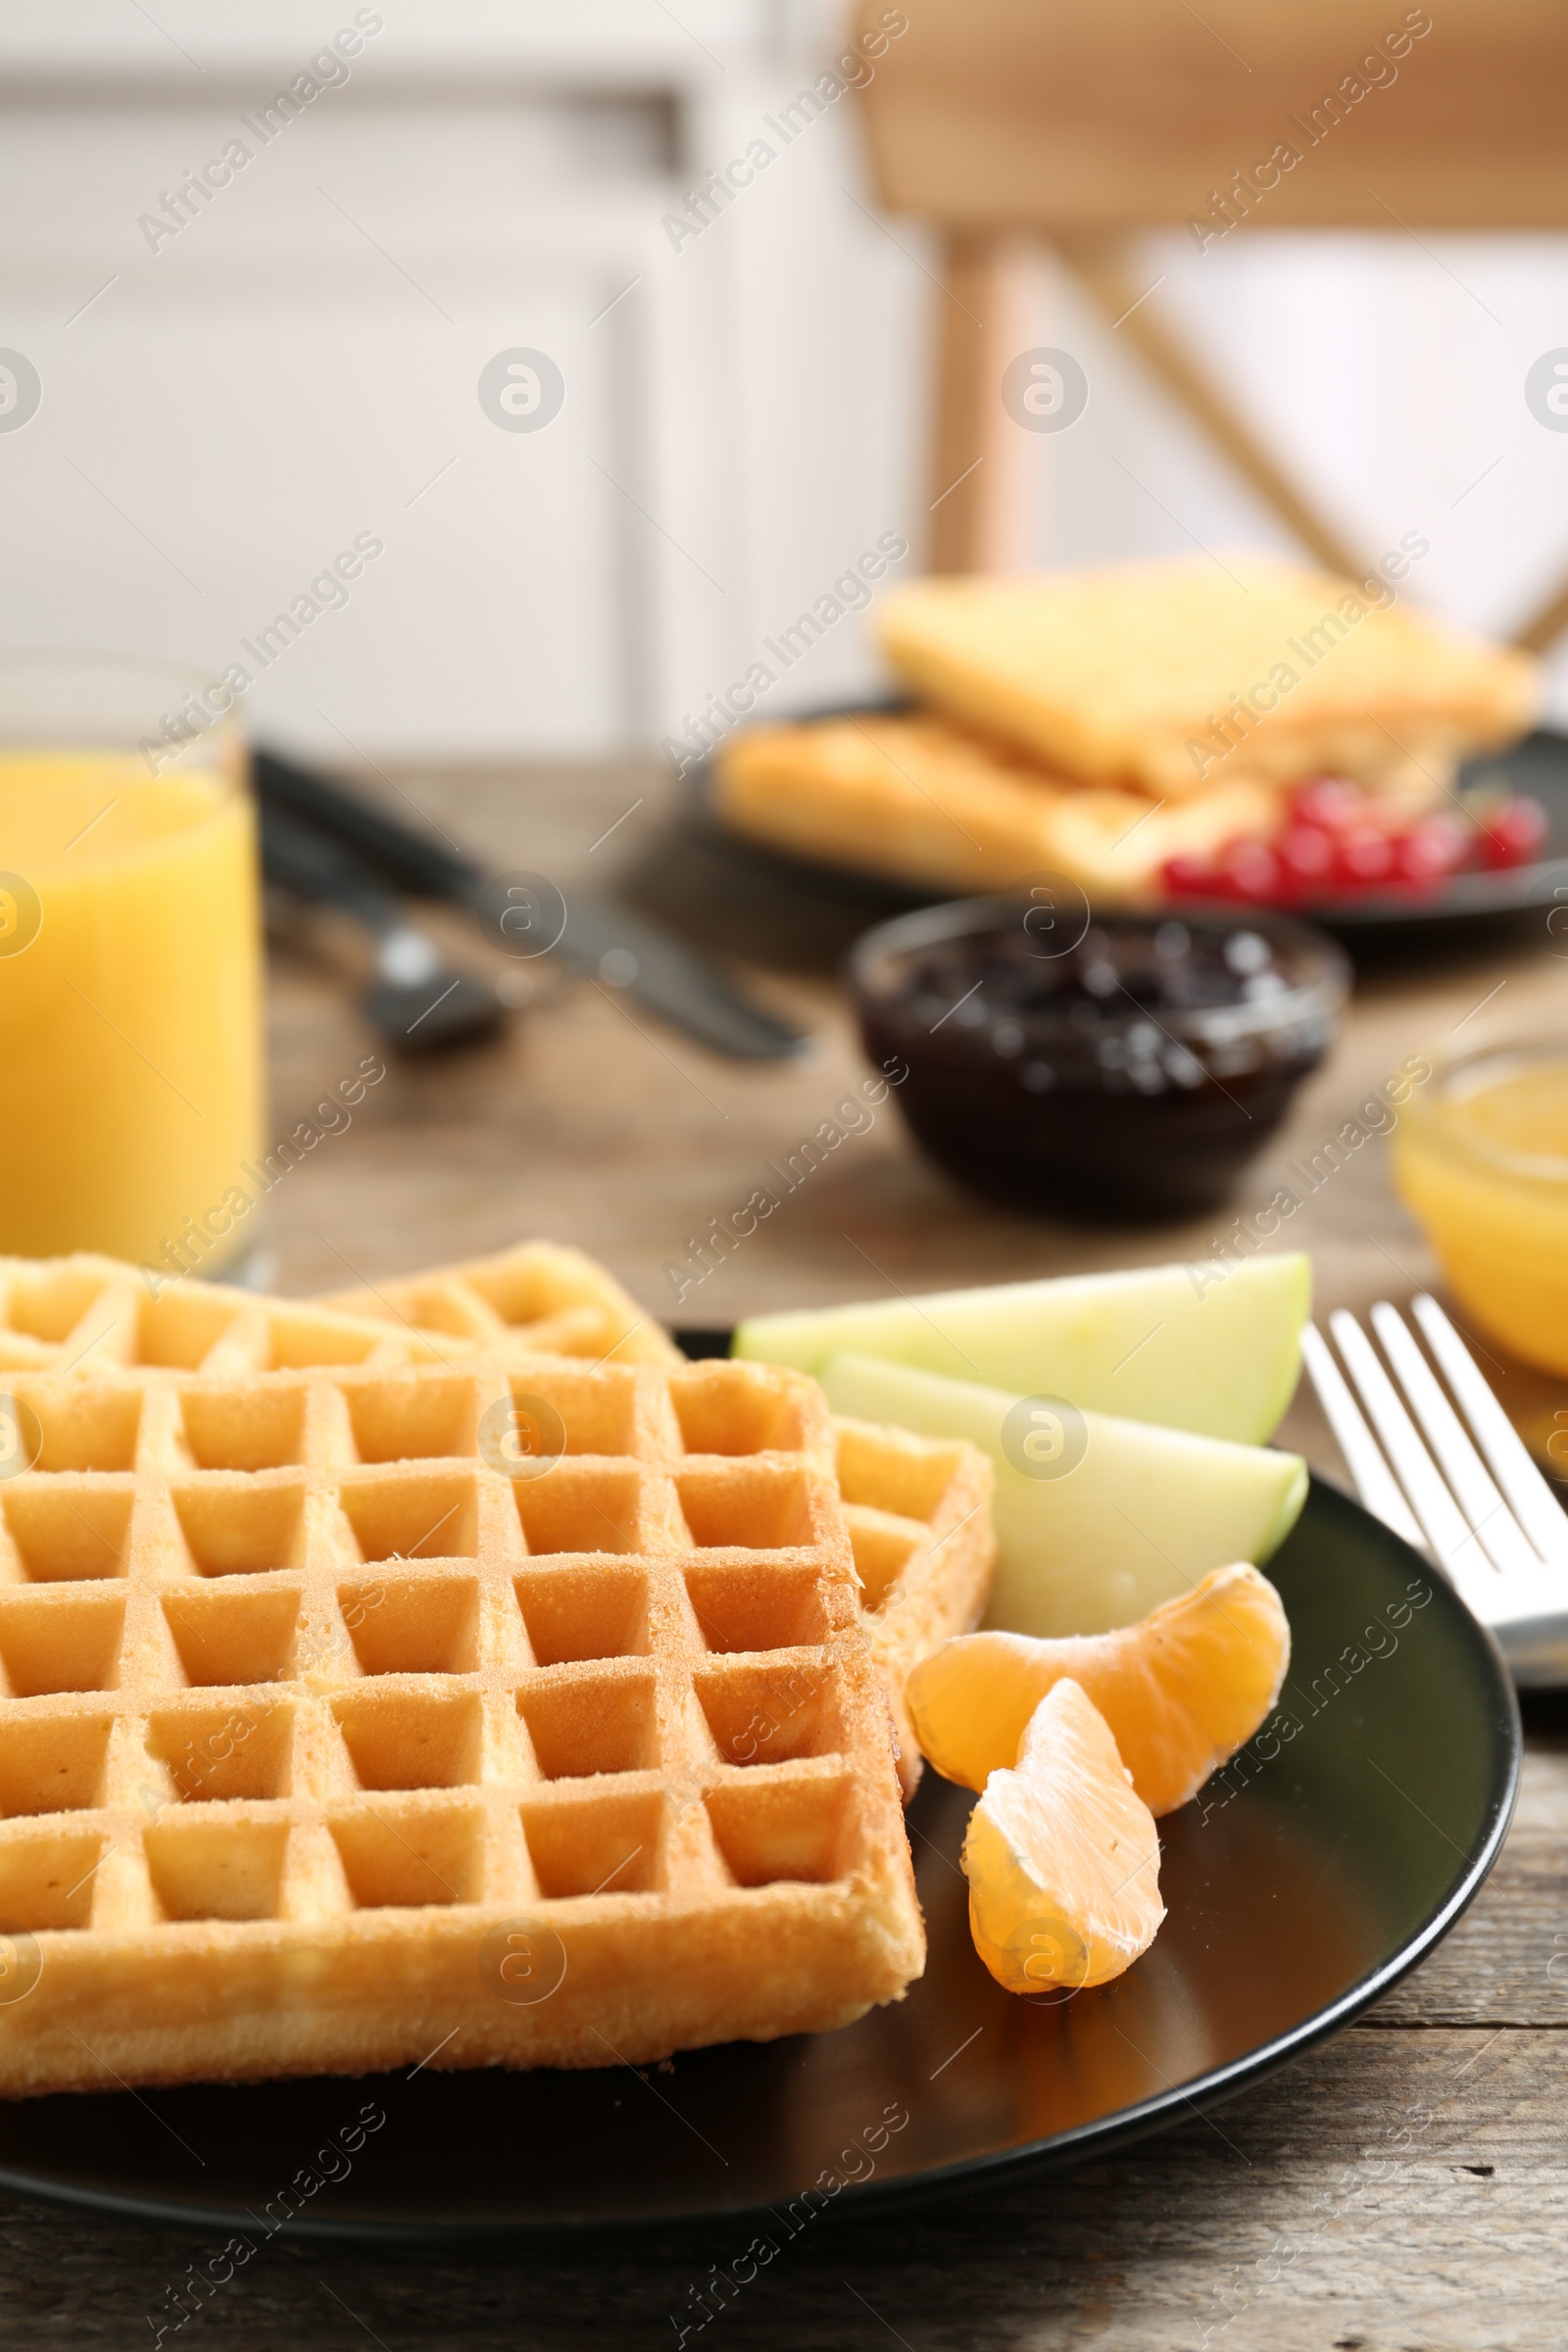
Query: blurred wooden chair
1082,125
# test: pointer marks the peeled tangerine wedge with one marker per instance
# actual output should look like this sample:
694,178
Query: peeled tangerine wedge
1062,1856
1181,1690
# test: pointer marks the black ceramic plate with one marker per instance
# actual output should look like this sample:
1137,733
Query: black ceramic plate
1538,766
1300,1884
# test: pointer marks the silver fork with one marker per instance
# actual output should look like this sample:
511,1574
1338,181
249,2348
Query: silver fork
1494,1526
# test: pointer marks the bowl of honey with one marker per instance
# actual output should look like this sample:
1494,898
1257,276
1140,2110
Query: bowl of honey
1481,1156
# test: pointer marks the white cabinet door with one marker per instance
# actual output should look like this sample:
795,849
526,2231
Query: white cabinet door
260,308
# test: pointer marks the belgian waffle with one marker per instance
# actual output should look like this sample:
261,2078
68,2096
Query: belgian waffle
540,1296
918,1509
918,1514
95,1314
495,1714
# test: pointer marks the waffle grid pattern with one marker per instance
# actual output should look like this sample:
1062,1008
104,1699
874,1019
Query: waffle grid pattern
94,1314
540,1296
917,1511
303,1696
917,1508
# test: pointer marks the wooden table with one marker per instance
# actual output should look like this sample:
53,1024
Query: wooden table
1404,2185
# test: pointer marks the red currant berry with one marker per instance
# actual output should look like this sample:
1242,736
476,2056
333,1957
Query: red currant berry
1250,869
1190,877
1328,802
1362,859
1307,856
1436,847
1516,835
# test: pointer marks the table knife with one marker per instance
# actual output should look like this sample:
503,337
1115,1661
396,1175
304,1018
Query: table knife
595,934
417,1001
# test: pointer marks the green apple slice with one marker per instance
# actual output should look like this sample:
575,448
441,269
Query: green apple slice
1098,1520
1196,1348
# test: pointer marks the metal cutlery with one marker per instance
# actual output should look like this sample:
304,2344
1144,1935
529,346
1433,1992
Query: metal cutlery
1468,1496
595,935
417,1001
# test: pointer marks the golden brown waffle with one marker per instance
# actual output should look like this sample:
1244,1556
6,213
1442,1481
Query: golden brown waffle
919,799
540,1296
1109,675
919,1511
95,1314
326,1744
924,1553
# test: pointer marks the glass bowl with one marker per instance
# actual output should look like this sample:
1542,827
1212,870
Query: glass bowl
1481,1156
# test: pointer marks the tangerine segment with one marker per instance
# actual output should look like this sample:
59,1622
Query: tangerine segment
1182,1690
1062,1856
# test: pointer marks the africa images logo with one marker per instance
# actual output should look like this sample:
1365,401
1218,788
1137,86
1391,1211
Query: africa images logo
1545,390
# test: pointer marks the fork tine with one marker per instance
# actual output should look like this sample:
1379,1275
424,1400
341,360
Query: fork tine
1497,1530
1534,1505
1449,1537
1375,1482
1525,1604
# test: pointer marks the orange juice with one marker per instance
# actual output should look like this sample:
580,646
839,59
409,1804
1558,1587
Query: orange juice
129,998
1482,1157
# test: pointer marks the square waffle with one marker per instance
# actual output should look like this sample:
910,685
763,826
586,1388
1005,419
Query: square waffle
501,1713
925,1578
96,1314
920,800
1113,675
919,1519
539,1295
918,1509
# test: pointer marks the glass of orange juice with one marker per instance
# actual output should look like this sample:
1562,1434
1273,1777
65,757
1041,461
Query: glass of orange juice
1481,1156
130,1063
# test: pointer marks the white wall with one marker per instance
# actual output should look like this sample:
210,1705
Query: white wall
301,361
1386,375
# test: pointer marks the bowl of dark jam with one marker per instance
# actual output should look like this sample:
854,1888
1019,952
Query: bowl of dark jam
1126,1077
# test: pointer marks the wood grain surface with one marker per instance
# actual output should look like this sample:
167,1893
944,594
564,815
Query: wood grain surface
1406,2185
